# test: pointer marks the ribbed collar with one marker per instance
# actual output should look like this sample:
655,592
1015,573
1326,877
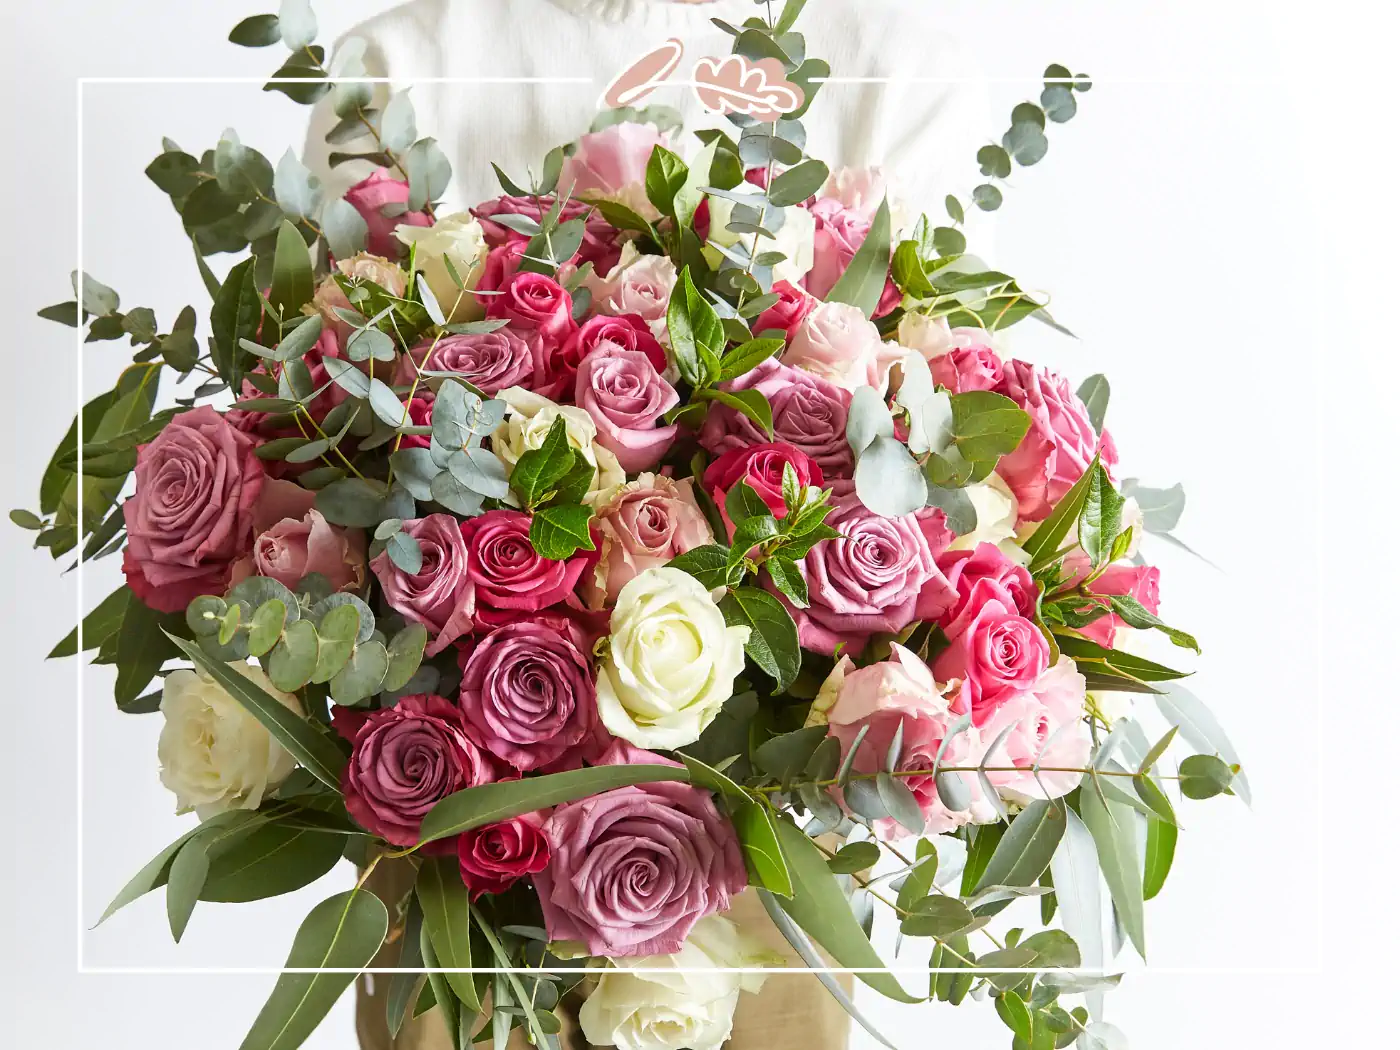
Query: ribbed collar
664,15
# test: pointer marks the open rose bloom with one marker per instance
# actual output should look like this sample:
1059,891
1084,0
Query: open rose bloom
590,560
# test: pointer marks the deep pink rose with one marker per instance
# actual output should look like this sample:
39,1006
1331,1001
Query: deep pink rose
600,244
613,163
440,595
625,331
420,414
791,309
953,607
626,397
868,580
507,573
762,467
527,692
502,263
191,515
996,653
492,858
369,197
634,868
406,759
267,427
292,540
809,413
966,368
1059,446
491,361
1050,712
1135,581
532,301
650,521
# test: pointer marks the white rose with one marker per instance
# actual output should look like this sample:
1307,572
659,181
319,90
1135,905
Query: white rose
796,239
458,237
996,519
214,755
671,660
526,424
653,1003
638,284
932,337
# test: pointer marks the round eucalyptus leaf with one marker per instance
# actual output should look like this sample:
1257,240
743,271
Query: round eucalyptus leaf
1059,103
255,590
228,626
405,552
313,588
204,614
294,659
266,626
953,791
337,630
867,418
888,480
333,601
987,197
362,675
994,161
405,656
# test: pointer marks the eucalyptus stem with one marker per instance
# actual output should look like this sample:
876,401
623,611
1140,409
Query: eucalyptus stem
302,411
970,769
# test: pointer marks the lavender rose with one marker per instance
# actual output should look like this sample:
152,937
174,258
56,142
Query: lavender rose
527,692
625,396
633,869
191,516
441,595
809,413
491,361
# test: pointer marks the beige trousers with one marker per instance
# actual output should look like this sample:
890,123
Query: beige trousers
792,1012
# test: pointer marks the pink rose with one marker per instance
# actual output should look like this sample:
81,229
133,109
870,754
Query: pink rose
961,570
406,759
492,858
1050,712
369,197
645,525
884,696
1136,581
996,653
840,233
836,341
612,163
534,302
868,580
788,312
265,427
641,286
292,540
858,190
762,467
490,361
191,515
809,413
624,331
600,240
527,692
507,573
440,595
1059,446
502,263
966,368
625,396
634,868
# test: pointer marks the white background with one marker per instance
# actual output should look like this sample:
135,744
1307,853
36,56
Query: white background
1213,225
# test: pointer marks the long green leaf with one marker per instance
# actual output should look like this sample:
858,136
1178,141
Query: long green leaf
293,280
1027,846
1075,868
303,741
99,625
758,836
270,860
157,870
342,932
863,282
1109,823
447,917
1042,544
141,649
1157,862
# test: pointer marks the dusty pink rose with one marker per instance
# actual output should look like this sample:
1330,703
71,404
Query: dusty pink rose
966,368
995,651
494,857
191,515
809,413
292,540
1059,446
761,466
491,361
369,196
884,696
626,397
868,580
646,524
406,759
440,595
1136,581
534,302
507,574
961,570
838,342
612,163
791,309
634,868
600,240
527,692
1050,712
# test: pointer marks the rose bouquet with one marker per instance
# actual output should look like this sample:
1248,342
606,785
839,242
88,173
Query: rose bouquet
657,529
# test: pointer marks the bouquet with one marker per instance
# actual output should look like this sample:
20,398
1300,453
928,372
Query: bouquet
660,530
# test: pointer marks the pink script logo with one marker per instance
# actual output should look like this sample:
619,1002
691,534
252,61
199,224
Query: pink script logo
733,84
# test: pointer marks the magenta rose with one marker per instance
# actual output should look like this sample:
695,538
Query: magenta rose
809,413
634,868
600,240
966,368
534,302
406,759
507,574
625,332
952,607
369,197
291,540
762,467
440,595
1136,581
650,521
490,361
527,692
492,858
502,263
191,515
791,309
626,397
1059,446
995,651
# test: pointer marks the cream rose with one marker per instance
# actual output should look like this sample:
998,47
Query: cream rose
457,237
796,239
838,342
671,661
670,1002
214,755
638,284
996,519
526,424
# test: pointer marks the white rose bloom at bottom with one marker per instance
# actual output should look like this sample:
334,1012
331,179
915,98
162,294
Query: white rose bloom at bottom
213,753
671,660
650,1003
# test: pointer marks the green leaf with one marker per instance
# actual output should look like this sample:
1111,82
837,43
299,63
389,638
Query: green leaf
1109,823
256,31
994,161
293,661
788,579
665,176
1011,1008
688,197
1045,541
863,282
908,271
747,356
362,675
1025,849
538,470
1094,393
987,425
99,625
786,756
987,197
984,843
1134,614
293,282
235,316
1199,726
750,403
157,870
854,857
343,932
447,920
758,835
308,745
141,649
1204,776
1157,861
772,640
558,532
187,874
708,563
489,803
697,336
797,183
269,860
1100,520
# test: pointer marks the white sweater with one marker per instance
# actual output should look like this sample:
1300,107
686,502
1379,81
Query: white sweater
925,134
